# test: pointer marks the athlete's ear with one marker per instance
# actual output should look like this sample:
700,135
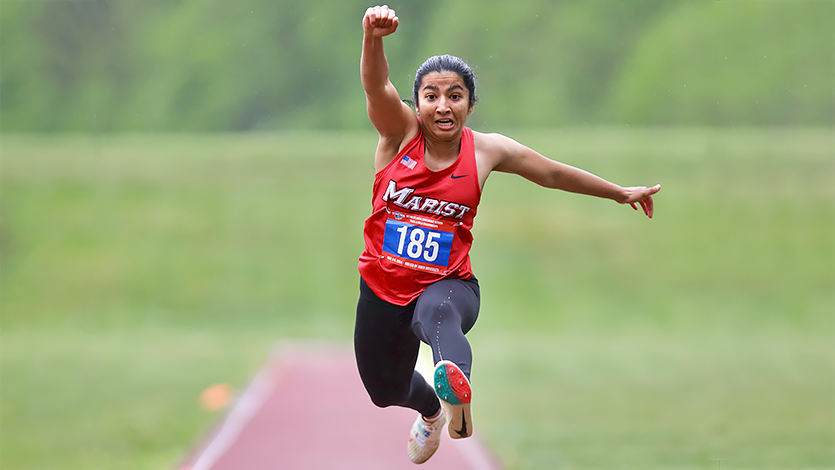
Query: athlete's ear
470,111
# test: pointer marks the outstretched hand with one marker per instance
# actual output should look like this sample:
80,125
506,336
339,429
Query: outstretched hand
641,195
379,21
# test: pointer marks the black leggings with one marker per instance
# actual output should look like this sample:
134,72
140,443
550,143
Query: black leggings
387,338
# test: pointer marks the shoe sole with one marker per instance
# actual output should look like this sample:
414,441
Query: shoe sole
453,389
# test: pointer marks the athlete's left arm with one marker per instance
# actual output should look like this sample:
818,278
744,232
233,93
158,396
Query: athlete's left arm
506,155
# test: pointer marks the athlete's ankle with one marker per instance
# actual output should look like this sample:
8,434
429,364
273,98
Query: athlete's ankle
433,417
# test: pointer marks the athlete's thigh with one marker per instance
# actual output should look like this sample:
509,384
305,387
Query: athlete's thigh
384,344
454,297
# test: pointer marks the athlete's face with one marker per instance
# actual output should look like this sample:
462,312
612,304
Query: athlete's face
443,104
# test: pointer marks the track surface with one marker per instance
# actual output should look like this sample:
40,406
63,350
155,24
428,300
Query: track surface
307,410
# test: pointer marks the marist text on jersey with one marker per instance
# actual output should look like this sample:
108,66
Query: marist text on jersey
405,199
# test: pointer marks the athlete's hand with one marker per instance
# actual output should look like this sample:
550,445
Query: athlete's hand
640,195
379,21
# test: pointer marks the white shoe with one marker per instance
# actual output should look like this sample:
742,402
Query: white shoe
425,437
453,389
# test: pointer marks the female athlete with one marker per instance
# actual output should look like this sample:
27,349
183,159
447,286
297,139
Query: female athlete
416,282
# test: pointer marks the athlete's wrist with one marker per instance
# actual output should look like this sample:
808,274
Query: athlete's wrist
620,194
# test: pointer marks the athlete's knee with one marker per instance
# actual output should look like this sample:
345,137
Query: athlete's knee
385,397
435,312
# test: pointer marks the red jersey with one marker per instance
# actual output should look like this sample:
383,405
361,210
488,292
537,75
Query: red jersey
419,231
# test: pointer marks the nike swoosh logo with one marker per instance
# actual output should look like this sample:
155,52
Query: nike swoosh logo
463,431
456,177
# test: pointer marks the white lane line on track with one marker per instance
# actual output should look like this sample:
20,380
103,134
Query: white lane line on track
249,404
241,413
473,452
472,448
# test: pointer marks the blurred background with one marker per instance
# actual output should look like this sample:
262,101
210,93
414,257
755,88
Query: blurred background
203,65
183,186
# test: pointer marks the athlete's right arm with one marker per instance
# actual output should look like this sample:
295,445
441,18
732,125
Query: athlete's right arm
392,118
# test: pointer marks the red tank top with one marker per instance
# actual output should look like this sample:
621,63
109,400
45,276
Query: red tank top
419,231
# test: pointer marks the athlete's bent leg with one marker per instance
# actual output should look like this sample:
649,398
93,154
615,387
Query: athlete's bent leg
444,313
386,350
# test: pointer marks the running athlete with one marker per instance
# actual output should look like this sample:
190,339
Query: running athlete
416,281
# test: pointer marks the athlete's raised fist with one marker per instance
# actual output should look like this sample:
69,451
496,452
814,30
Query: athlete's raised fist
379,21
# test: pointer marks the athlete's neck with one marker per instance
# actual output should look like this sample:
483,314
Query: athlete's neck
440,154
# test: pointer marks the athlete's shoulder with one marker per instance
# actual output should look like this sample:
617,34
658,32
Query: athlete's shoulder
494,150
493,143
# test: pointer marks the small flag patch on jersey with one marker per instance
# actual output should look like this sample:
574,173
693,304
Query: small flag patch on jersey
408,162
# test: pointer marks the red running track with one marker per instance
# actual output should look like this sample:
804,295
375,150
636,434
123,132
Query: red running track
307,410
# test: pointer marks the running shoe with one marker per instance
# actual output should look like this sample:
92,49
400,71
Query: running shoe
453,388
424,438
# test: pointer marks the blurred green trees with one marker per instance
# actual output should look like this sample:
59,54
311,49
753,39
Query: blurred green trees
212,65
755,63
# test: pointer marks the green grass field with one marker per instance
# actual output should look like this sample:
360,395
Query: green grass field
138,270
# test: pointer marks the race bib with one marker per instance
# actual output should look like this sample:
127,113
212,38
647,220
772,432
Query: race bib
418,242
